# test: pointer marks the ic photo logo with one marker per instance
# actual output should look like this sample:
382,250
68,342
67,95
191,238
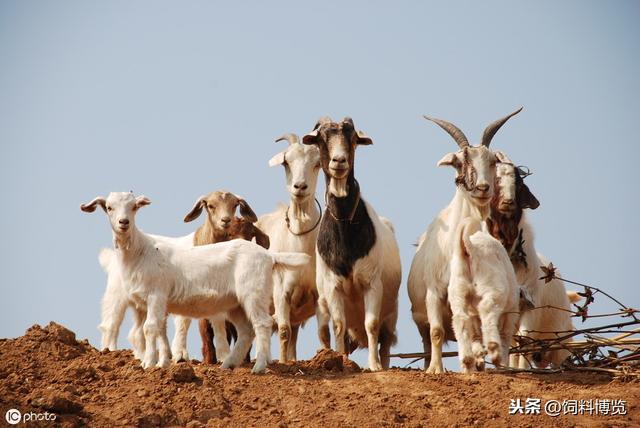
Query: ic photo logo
13,416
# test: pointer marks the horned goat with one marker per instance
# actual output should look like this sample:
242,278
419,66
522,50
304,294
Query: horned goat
430,269
357,259
295,228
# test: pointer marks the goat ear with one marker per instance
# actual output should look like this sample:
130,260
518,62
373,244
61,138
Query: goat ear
196,210
363,139
450,159
503,158
277,159
142,201
90,207
245,210
311,137
526,198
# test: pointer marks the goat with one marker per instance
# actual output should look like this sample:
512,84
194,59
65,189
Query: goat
115,300
358,269
220,225
483,295
295,228
430,269
508,223
233,277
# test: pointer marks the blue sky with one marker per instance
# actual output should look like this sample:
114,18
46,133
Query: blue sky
175,99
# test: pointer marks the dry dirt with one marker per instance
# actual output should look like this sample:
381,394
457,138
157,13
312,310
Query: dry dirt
48,370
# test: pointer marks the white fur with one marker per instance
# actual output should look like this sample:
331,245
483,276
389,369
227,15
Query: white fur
367,300
483,295
159,277
430,269
294,292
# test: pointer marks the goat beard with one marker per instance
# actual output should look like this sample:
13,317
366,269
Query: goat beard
338,187
121,241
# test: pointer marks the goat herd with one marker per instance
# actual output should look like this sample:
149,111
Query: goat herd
475,277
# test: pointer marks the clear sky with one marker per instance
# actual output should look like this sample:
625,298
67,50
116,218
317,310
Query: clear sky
175,99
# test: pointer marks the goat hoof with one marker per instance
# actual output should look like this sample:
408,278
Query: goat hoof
259,367
180,355
435,370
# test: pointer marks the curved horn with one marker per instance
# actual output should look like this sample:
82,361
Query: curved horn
291,138
452,130
322,121
491,130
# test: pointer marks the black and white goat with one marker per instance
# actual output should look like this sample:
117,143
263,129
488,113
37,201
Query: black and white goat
358,269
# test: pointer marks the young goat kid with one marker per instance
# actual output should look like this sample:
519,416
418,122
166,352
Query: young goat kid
484,297
220,225
358,263
430,269
233,277
295,228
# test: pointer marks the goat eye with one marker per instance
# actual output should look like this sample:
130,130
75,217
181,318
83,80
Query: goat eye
109,208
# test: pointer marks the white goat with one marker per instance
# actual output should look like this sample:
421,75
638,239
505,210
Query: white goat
233,277
115,301
357,259
295,228
483,295
430,269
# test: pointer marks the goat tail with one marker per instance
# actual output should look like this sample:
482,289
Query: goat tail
290,260
106,257
467,227
573,296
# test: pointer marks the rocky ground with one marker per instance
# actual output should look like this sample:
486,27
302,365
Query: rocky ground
48,370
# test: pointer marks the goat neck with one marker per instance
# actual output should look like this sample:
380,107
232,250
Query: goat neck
466,206
343,208
302,213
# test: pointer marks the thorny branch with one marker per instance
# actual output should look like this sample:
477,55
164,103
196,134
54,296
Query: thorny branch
618,356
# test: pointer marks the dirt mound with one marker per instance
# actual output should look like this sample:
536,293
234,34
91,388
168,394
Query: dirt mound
48,370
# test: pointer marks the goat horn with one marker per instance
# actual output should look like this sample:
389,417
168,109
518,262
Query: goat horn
291,138
452,130
491,130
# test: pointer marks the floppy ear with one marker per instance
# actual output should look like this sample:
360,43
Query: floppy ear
245,210
526,198
196,210
363,139
450,159
311,137
142,201
502,157
277,159
90,207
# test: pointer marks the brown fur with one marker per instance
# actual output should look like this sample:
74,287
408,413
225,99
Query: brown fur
505,226
240,228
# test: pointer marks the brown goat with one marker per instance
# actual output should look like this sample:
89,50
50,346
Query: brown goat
222,225
509,199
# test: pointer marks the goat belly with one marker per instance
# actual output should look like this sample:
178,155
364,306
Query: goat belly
341,243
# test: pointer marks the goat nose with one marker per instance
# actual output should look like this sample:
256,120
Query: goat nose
123,221
301,185
508,202
482,187
339,159
226,219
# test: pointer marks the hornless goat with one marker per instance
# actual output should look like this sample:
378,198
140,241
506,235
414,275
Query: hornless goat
232,277
430,269
357,259
483,295
220,225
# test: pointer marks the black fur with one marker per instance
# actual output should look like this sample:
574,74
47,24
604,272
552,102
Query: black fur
342,242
